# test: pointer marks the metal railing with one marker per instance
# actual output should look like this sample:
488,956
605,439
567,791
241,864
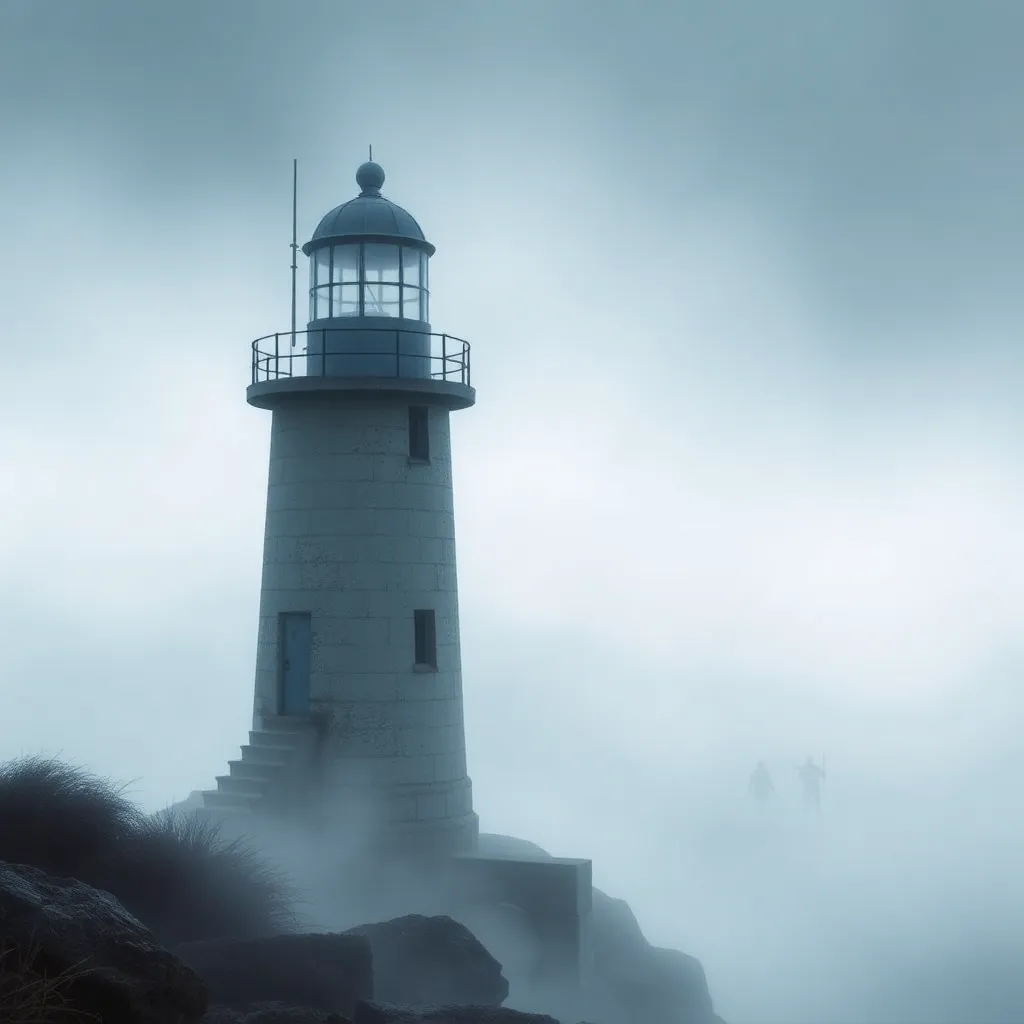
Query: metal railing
400,354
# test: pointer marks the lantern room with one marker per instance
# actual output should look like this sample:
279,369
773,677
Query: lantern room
368,258
369,312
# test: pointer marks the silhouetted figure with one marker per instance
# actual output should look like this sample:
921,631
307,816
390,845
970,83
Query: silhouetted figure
761,787
812,777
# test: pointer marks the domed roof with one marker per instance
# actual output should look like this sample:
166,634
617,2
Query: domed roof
369,213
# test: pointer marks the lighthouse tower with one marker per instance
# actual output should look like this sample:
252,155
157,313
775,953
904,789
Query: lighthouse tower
358,693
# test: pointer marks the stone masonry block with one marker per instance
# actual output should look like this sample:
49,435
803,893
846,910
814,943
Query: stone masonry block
457,802
455,712
424,496
448,629
392,469
431,550
319,603
339,522
362,715
444,525
444,688
317,575
332,630
372,494
445,767
403,809
416,769
299,576
327,659
363,771
366,660
441,438
373,439
442,499
286,497
422,740
358,686
416,714
309,469
431,805
423,685
392,548
353,467
392,522
287,550
368,576
367,743
426,522
323,549
369,632
446,577
418,577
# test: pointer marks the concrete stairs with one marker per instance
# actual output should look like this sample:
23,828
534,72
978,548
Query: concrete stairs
271,763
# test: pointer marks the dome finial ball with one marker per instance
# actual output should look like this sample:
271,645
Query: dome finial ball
370,178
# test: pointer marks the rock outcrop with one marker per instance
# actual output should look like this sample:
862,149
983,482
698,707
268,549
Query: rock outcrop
324,972
431,961
383,1013
66,944
271,1013
634,982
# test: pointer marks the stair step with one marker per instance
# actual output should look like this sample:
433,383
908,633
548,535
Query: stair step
255,769
265,755
241,803
244,786
278,739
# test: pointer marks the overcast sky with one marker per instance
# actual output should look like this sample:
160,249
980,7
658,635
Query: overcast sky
744,286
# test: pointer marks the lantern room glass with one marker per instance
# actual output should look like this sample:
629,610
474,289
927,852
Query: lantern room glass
372,279
345,264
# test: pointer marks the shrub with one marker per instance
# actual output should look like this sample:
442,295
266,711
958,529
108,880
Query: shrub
174,872
186,882
62,820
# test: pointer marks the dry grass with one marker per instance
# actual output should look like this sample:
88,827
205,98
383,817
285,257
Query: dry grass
29,995
174,873
185,882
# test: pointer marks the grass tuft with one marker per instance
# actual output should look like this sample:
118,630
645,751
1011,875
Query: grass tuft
174,871
29,995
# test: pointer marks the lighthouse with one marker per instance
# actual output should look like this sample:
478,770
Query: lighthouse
358,709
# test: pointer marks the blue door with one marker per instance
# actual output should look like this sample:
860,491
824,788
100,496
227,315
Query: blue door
296,637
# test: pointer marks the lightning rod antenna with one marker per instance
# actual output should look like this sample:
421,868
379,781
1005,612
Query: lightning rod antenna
295,236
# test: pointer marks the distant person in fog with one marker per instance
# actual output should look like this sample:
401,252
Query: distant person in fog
761,787
811,776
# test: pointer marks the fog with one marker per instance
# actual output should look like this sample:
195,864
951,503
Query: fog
742,483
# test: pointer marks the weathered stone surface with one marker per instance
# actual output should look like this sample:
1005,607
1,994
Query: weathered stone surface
664,985
116,969
616,933
385,1013
634,982
271,1013
325,972
431,961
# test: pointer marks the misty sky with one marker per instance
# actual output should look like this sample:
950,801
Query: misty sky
744,286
